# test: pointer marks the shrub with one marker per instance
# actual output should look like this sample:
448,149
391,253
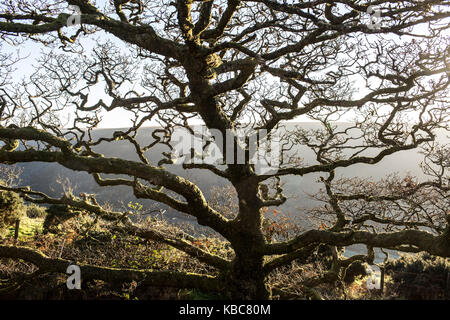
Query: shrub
355,270
56,216
11,208
419,276
34,211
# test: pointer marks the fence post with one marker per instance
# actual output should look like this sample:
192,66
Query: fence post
16,230
382,272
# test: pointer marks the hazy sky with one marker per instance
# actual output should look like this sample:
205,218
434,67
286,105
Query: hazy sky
117,117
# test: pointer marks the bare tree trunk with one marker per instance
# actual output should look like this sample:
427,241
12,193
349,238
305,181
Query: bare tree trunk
247,279
247,275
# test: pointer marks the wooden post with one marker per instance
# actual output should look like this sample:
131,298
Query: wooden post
382,272
16,230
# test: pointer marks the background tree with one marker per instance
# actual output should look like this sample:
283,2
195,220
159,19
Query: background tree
11,204
11,209
240,64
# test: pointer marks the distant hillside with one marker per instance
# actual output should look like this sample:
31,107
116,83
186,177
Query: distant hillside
43,176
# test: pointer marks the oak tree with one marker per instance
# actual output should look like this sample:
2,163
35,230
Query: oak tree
252,64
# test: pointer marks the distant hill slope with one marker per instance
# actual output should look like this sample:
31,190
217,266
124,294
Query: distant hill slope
43,176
